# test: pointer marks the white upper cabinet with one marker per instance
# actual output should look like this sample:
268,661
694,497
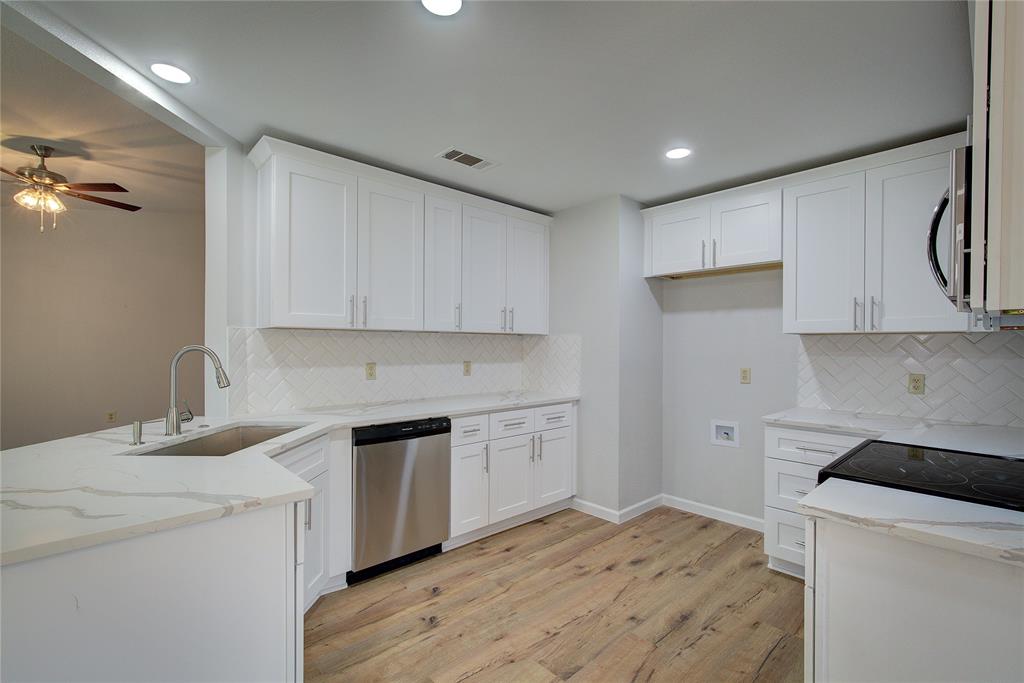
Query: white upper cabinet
343,245
442,265
823,237
484,264
680,239
527,277
307,226
901,292
746,228
390,257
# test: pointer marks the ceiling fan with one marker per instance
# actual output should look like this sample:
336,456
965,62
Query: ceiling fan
44,186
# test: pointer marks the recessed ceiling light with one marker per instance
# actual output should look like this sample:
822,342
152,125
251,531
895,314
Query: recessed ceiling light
677,153
170,73
442,8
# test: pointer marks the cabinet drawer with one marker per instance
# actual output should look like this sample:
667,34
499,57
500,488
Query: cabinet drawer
511,423
786,482
471,429
307,460
784,535
552,417
812,448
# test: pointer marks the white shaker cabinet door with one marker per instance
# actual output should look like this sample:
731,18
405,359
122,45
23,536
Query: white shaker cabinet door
823,255
510,477
442,265
527,277
314,568
746,228
390,257
310,264
469,488
484,243
902,293
680,240
553,466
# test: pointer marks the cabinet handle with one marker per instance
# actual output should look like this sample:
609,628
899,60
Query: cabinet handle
703,249
533,448
504,319
352,308
540,446
458,316
802,544
514,424
364,311
800,493
487,458
815,450
471,431
309,514
855,313
714,252
512,319
873,312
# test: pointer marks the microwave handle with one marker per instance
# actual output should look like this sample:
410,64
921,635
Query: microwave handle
933,236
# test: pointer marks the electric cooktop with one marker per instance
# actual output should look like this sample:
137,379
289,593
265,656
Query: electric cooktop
986,479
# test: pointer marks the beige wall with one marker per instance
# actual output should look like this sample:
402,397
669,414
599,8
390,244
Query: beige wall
91,315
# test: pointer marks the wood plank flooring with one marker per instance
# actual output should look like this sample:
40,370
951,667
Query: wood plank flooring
668,596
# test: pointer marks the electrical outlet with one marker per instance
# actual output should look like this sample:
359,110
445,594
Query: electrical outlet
744,375
915,383
371,370
467,368
112,417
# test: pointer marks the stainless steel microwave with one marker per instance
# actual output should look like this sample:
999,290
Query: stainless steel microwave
949,255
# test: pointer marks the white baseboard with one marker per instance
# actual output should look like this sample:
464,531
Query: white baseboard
595,510
507,524
713,512
617,516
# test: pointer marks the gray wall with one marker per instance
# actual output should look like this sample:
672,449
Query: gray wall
92,313
640,365
713,326
584,301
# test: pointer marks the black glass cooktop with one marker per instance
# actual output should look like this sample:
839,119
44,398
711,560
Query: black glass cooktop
985,479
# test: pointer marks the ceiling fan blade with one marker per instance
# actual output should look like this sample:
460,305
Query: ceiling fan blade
94,187
100,200
21,178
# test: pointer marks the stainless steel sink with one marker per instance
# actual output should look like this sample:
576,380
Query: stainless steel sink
224,442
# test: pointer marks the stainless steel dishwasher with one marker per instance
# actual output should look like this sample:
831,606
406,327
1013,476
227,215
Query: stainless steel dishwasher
401,494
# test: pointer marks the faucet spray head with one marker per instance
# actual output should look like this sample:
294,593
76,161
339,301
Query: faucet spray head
222,377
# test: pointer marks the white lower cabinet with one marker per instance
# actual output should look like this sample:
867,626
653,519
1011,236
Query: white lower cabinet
314,567
497,479
552,469
511,477
469,488
793,458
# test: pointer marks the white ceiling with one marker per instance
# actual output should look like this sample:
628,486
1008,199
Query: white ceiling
575,100
98,137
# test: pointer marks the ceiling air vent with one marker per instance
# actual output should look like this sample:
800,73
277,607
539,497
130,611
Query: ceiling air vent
466,159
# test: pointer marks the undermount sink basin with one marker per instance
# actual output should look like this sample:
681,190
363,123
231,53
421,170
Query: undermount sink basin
225,442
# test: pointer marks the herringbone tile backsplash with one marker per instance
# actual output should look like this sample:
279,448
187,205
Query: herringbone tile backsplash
975,378
280,370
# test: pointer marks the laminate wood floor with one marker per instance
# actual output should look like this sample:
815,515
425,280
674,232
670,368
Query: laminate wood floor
668,596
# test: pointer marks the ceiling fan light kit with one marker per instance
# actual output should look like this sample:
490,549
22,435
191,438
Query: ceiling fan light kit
44,185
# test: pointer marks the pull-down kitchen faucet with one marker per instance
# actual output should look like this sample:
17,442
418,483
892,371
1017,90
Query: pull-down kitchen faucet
173,423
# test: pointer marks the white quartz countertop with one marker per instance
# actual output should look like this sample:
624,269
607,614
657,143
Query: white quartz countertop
910,430
90,489
981,530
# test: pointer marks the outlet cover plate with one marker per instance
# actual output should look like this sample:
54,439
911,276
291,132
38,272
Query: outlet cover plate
744,375
725,433
915,384
467,368
371,370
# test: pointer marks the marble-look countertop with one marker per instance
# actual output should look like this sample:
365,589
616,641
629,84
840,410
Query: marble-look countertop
91,489
981,530
910,430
